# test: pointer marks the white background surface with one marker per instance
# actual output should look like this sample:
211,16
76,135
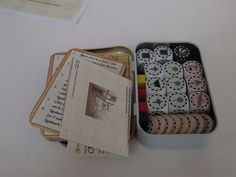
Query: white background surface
26,45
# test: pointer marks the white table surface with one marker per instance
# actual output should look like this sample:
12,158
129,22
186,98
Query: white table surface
26,45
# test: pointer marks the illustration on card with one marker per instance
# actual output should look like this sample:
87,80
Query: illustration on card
100,101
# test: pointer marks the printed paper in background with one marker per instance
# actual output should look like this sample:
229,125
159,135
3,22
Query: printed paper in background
69,10
97,108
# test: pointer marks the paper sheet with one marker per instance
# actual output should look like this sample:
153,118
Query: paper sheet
57,9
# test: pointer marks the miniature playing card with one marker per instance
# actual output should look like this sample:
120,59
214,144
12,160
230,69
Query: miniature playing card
97,108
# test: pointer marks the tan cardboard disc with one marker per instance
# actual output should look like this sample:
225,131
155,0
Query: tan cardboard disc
177,123
169,122
200,123
185,124
153,125
209,124
162,124
192,123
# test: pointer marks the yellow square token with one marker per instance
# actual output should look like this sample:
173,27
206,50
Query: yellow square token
141,81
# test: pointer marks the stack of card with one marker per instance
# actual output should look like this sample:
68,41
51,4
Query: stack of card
86,102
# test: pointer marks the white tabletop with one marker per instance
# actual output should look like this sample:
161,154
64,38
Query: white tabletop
26,45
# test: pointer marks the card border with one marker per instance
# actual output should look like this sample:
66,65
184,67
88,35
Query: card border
49,76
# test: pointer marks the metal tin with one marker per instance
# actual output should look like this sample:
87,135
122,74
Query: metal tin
172,141
165,141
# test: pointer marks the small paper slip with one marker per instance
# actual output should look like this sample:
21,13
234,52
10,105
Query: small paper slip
97,108
57,10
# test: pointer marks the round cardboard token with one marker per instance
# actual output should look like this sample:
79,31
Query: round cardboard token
192,67
157,104
177,123
175,84
155,85
178,100
153,125
170,124
145,56
192,123
196,83
163,53
173,68
182,52
162,124
178,103
209,124
185,124
199,102
154,70
200,123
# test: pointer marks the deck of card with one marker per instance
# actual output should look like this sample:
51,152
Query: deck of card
87,103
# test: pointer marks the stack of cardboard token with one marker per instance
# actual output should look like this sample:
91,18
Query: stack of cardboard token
172,90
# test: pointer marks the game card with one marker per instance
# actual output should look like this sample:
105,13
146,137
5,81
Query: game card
55,60
48,111
72,148
97,108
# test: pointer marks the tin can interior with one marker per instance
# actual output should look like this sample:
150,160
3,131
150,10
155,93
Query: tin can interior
194,55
